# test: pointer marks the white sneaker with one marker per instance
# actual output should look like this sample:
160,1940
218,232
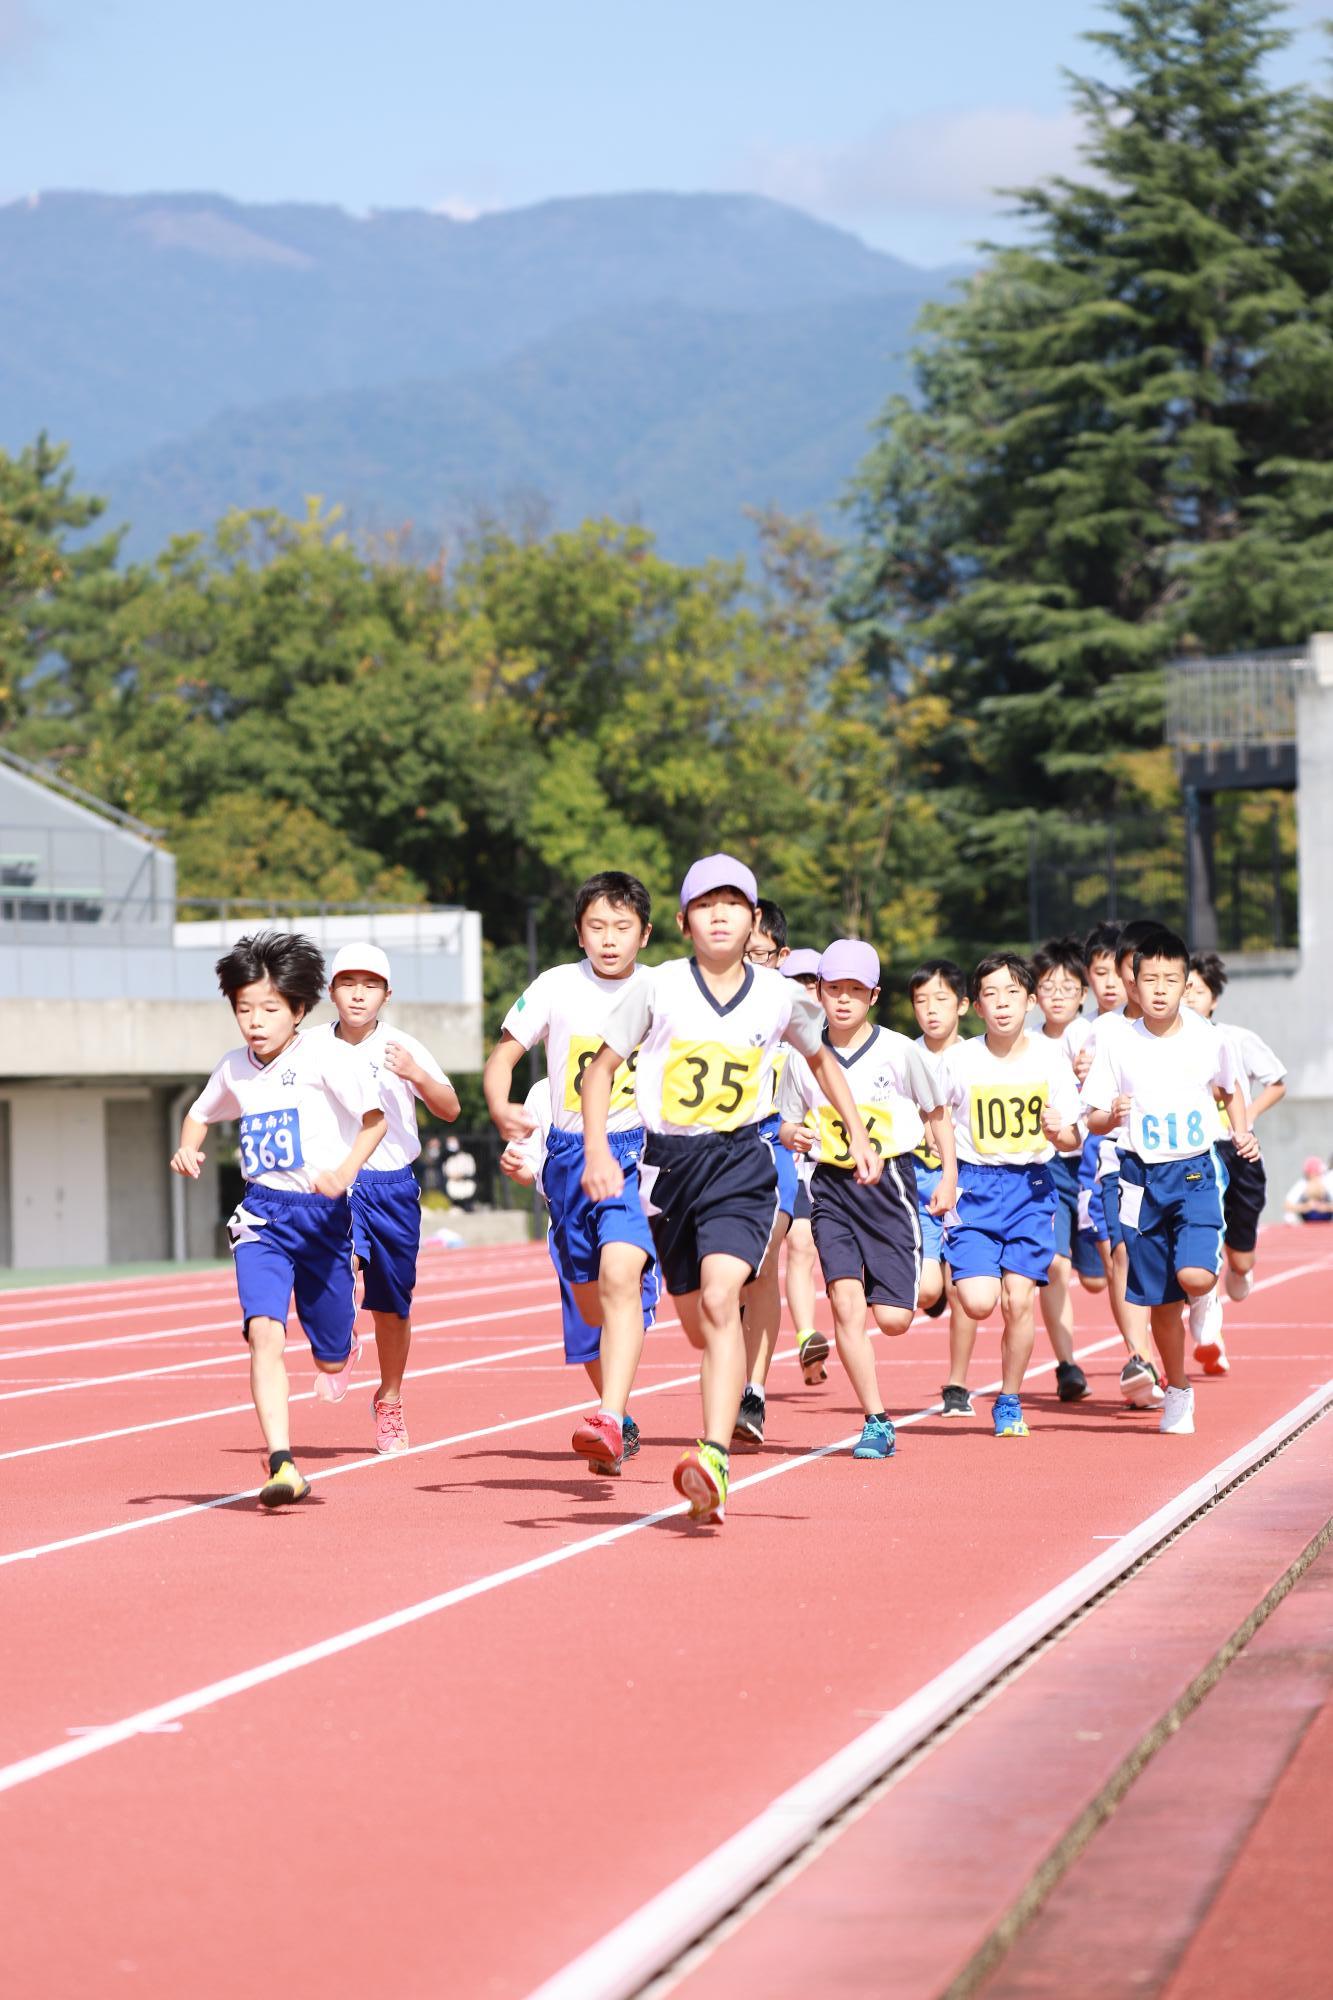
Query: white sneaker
1239,1285
332,1388
1206,1327
1178,1413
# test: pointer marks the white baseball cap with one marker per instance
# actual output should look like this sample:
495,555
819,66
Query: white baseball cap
361,958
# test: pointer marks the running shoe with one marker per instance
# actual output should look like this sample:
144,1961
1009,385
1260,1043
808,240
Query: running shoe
390,1427
629,1432
812,1353
283,1486
1137,1383
332,1388
957,1402
749,1427
601,1440
701,1478
1206,1329
1007,1414
1071,1384
877,1440
941,1305
1177,1418
1239,1285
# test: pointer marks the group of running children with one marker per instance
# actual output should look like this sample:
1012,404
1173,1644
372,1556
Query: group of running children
697,1113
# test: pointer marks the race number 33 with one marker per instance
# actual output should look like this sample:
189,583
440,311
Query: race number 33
1007,1121
270,1143
582,1049
706,1083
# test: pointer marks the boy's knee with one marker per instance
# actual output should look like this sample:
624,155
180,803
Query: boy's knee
977,1299
719,1304
892,1319
265,1336
1196,1282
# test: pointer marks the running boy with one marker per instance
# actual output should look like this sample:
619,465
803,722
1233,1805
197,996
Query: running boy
309,1121
868,1238
705,1030
1062,988
938,990
761,1306
1015,1103
1159,1079
812,1349
385,1197
600,1246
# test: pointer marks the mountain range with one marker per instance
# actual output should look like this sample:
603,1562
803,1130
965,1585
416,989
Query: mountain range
674,359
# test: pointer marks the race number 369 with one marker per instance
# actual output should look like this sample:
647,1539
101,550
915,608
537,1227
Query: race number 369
270,1143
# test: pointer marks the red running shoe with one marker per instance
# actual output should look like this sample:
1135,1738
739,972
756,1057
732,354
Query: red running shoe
601,1440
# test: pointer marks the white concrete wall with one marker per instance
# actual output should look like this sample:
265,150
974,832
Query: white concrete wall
58,1177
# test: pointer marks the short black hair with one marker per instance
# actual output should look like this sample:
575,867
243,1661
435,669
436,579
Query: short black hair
623,892
294,963
953,976
1211,971
1132,935
771,919
1060,955
1001,961
1161,943
1104,936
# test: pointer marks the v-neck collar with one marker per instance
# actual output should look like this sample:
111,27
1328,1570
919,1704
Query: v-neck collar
846,1061
718,1006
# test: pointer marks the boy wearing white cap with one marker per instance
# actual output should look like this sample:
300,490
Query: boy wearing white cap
868,1238
703,1031
385,1197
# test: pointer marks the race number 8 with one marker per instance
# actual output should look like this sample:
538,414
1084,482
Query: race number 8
582,1049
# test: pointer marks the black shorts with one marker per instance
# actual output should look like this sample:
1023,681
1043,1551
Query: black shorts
801,1211
711,1195
1243,1201
872,1234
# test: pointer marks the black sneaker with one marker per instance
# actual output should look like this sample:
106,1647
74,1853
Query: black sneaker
957,1402
630,1436
941,1305
1070,1382
1137,1384
749,1420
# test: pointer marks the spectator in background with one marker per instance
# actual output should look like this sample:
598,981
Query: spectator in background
460,1174
1311,1198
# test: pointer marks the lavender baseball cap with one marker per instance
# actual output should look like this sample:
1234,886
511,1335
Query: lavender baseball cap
850,958
802,964
718,871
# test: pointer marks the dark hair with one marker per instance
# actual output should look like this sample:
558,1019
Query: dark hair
1132,936
1161,943
1060,955
294,963
1102,937
771,919
623,892
1211,971
953,976
1002,961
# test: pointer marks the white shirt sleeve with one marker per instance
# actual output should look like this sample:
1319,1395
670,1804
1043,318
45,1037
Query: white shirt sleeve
216,1101
530,1016
630,1018
805,1029
1101,1086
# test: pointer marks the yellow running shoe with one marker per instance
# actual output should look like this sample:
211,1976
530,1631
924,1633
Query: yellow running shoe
701,1477
283,1486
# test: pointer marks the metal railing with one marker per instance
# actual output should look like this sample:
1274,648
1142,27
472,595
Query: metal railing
1239,707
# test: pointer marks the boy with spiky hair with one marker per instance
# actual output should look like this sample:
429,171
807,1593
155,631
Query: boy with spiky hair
309,1120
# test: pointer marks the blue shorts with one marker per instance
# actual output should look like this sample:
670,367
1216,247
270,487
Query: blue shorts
1006,1222
785,1163
934,1249
1109,1189
1079,1245
287,1245
386,1229
584,1342
579,1227
1171,1218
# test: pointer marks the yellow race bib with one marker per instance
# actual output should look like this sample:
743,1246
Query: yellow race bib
1007,1121
835,1148
582,1049
706,1083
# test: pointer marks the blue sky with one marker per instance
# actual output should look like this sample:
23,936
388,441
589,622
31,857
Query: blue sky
889,117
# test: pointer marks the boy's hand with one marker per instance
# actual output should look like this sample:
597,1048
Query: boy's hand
602,1178
943,1199
330,1181
187,1160
1121,1107
869,1163
1248,1147
1082,1064
796,1138
399,1063
1051,1123
515,1168
513,1123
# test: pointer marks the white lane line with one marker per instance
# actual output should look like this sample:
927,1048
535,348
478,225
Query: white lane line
44,1762
482,1255
623,1961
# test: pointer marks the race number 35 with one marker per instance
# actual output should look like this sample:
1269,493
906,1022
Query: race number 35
706,1083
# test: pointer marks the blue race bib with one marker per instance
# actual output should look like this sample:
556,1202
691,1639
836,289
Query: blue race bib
270,1143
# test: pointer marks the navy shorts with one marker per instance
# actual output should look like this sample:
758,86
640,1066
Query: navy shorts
584,1342
1109,1189
871,1234
1246,1193
580,1228
933,1246
1006,1222
714,1194
801,1207
1079,1245
784,1161
386,1230
1171,1219
288,1245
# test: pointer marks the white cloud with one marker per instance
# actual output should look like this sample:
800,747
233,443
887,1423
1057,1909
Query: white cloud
458,208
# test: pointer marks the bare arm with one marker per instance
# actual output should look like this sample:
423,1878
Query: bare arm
1271,1094
334,1181
511,1120
602,1178
828,1075
187,1159
439,1097
939,1127
1238,1111
1099,1123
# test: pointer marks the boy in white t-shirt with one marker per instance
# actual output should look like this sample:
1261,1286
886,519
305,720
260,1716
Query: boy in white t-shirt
385,1196
309,1120
1159,1077
1062,988
1014,1102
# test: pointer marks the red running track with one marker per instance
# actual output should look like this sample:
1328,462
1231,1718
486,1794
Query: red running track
459,1714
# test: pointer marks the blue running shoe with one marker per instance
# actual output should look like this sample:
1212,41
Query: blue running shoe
1008,1414
630,1435
877,1440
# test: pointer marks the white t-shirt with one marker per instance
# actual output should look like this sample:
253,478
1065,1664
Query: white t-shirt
401,1144
892,1082
1070,1042
531,1148
299,1114
567,1008
997,1106
704,1066
1255,1062
1170,1078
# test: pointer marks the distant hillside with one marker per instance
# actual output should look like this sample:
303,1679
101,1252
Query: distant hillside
678,355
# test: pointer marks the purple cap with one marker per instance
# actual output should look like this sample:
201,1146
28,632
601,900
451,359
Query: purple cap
802,964
718,871
850,958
